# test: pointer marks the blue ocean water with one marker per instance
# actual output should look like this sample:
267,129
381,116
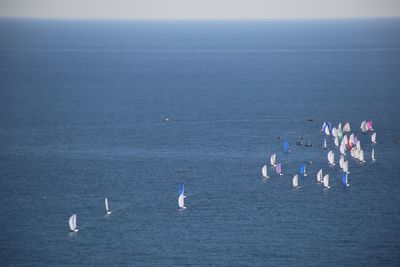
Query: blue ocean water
83,108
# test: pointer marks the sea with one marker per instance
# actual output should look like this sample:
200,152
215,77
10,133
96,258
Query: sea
127,110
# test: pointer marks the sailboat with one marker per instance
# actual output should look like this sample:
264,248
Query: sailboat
341,161
106,204
319,176
361,156
344,179
286,147
369,125
264,171
373,138
273,159
278,169
346,167
342,149
72,223
181,197
326,181
373,155
358,145
363,126
346,127
331,158
295,181
325,146
303,169
336,141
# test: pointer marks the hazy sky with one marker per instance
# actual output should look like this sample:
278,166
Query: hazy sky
199,9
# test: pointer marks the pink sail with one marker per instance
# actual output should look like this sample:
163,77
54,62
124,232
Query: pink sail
369,125
278,168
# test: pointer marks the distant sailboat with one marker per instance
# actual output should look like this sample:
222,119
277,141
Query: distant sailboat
264,171
106,204
273,159
331,158
373,138
369,125
278,169
358,145
361,156
344,179
295,181
346,127
373,155
336,141
335,132
341,161
319,176
363,126
72,223
342,149
326,181
325,146
303,169
346,167
286,147
181,197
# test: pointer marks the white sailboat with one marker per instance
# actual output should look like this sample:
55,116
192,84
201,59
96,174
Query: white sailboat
264,171
351,139
335,132
373,138
273,159
331,158
336,141
319,176
346,127
363,126
295,181
325,146
345,179
72,223
373,155
341,161
326,181
346,166
361,156
181,201
342,149
358,145
106,205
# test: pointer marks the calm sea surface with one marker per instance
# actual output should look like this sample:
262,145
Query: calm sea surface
83,108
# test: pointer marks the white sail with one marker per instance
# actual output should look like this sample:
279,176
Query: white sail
273,159
373,138
346,166
181,201
344,140
339,127
342,149
358,145
363,126
346,127
326,181
319,176
327,131
336,141
72,223
106,204
341,161
264,171
335,132
361,156
373,155
331,157
325,146
295,181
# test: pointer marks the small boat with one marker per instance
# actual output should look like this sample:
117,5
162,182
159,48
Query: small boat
373,138
363,126
344,179
106,204
325,146
331,158
373,155
361,156
351,139
264,171
341,161
336,141
326,181
346,167
181,196
346,127
319,176
273,159
72,223
286,147
369,125
295,181
278,169
342,149
335,132
303,169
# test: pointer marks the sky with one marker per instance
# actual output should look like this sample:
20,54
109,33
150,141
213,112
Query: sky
199,9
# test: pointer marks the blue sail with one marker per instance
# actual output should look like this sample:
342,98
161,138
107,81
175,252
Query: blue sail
286,146
303,168
181,190
344,176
